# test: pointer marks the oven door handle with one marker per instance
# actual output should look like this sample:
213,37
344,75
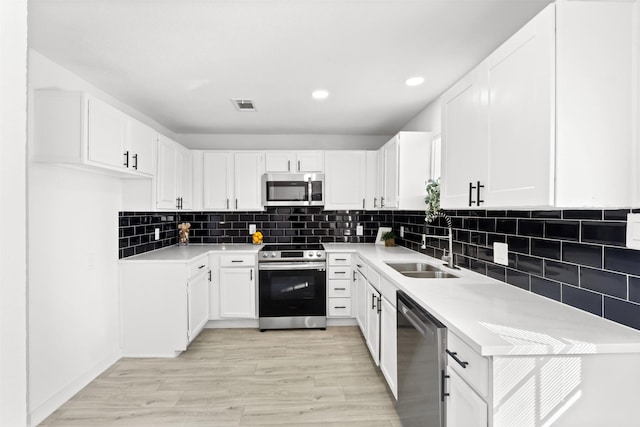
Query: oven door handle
321,266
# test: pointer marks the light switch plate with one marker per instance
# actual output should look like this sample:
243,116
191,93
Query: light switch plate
500,253
252,228
359,230
633,231
156,234
402,231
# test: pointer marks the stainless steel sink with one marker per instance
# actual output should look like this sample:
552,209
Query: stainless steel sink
420,270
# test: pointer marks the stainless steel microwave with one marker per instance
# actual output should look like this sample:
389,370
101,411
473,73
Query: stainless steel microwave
293,189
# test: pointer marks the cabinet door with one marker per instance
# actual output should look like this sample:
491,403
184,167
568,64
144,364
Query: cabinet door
237,293
372,301
345,178
464,407
464,139
198,304
166,177
361,302
377,201
388,345
280,161
107,134
248,169
218,180
521,114
371,196
185,187
309,161
142,148
391,174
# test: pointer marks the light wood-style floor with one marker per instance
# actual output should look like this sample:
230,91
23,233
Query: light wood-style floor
242,377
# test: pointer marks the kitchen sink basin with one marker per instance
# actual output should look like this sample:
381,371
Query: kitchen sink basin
420,270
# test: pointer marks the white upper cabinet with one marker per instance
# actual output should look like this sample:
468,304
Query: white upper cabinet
142,148
403,171
345,180
547,119
294,161
107,130
232,180
79,129
248,170
371,193
174,179
464,136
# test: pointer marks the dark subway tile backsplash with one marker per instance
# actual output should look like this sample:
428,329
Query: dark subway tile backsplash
577,257
574,256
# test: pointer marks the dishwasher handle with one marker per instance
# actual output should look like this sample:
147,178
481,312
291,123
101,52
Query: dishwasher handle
423,327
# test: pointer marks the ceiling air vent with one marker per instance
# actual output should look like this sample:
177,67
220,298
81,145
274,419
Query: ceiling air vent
244,104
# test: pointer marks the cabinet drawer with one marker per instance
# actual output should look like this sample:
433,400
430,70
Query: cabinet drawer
340,273
339,288
339,307
361,266
476,372
340,259
197,266
237,260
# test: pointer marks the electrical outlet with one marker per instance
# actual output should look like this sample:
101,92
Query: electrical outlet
633,231
156,234
252,228
359,230
500,253
402,231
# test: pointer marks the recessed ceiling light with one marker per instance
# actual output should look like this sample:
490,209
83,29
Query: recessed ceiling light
414,81
320,94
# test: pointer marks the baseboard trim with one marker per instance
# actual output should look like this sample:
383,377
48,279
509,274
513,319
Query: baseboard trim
40,413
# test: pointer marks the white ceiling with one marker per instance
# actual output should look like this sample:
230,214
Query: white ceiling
181,61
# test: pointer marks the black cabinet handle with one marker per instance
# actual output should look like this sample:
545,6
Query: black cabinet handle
236,204
375,202
382,202
443,392
471,188
209,275
227,203
341,259
298,165
236,260
177,202
340,272
201,267
126,159
373,302
135,164
340,306
288,165
379,303
454,356
251,274
340,289
478,200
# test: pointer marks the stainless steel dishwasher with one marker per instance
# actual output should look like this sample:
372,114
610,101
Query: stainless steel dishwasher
422,341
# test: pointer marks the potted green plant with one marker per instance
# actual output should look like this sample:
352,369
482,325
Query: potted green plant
389,238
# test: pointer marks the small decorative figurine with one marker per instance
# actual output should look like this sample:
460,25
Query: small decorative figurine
183,233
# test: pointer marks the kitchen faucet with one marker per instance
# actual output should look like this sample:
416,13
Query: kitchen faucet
447,258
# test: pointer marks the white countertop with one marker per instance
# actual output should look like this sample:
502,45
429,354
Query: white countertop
496,318
186,253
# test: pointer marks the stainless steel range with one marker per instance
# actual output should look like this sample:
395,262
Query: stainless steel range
292,287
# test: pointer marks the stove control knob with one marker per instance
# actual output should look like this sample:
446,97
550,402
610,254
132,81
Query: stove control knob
310,254
264,255
273,254
318,254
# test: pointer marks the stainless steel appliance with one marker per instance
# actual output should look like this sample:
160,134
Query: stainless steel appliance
292,287
422,365
293,189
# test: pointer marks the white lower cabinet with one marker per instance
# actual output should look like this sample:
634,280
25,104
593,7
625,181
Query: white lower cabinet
339,278
361,307
238,293
198,302
464,407
388,345
373,305
164,306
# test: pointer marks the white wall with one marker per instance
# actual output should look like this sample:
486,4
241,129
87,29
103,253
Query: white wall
73,267
13,255
281,142
427,120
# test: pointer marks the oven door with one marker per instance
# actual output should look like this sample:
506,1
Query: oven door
290,289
